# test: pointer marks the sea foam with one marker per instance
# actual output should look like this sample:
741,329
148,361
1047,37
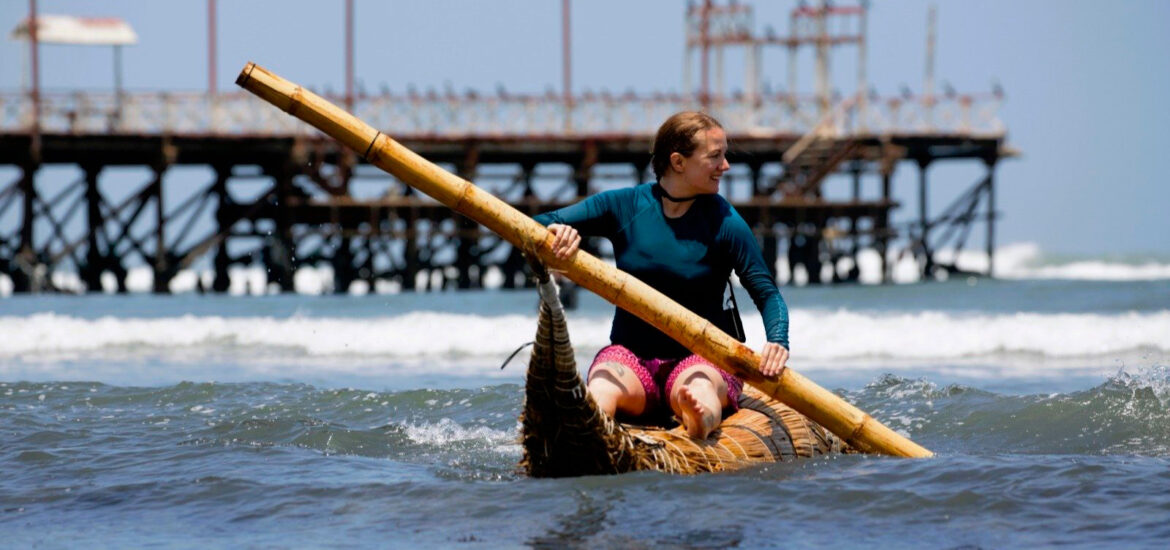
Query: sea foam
816,335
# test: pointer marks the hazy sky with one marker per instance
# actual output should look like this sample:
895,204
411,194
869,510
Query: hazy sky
1085,81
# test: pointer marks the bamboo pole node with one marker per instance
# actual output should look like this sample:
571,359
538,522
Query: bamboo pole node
865,418
373,154
366,155
245,74
294,101
467,189
701,333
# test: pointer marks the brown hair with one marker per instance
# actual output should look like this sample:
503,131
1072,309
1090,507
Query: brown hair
677,135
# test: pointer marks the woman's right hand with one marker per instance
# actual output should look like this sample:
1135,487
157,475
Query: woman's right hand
567,240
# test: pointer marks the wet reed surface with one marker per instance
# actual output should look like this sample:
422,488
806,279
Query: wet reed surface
294,465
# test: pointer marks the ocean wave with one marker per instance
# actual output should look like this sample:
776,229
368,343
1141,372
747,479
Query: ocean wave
816,335
935,334
447,432
1127,414
1022,261
1028,261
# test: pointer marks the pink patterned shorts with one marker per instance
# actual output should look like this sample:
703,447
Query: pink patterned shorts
658,376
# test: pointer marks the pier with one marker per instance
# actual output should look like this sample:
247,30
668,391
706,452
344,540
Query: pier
282,196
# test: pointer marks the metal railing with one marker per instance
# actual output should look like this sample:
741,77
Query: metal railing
502,114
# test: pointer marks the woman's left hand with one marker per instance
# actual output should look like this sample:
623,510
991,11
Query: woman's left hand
773,358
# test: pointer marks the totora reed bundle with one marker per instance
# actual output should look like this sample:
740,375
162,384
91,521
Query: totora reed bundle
564,434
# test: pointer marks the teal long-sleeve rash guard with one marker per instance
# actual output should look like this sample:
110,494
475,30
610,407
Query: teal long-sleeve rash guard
688,258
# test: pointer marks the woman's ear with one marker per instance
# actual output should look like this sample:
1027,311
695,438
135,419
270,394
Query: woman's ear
678,162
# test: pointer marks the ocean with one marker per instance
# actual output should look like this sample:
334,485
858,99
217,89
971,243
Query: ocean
386,420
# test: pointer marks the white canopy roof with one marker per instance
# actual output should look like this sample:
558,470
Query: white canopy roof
68,29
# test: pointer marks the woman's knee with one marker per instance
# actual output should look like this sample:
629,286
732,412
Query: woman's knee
617,382
615,374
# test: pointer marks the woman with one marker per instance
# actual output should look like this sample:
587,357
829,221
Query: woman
680,237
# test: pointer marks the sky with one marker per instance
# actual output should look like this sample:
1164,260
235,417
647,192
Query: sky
1085,81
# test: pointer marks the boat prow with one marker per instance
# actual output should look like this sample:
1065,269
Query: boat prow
564,434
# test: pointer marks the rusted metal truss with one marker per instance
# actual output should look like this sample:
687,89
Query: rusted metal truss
951,229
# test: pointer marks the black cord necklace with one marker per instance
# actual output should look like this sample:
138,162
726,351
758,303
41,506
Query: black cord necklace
668,197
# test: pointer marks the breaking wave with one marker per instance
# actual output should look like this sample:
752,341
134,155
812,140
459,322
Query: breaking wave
816,335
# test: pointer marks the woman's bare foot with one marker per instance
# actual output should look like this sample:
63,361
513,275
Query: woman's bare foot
700,416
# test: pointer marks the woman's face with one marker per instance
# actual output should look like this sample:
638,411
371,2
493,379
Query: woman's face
701,171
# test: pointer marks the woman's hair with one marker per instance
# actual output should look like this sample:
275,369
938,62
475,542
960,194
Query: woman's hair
677,135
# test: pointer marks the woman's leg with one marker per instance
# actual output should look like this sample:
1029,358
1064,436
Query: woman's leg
698,395
615,387
616,382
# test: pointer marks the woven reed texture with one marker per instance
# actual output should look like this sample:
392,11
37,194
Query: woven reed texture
564,434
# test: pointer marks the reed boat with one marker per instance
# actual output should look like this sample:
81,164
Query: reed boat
852,425
564,434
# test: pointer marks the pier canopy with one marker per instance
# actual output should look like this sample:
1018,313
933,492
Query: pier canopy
70,29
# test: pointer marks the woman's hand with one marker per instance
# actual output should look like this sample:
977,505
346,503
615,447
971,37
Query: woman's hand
567,240
773,358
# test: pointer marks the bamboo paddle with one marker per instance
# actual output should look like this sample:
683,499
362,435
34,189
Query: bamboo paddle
623,290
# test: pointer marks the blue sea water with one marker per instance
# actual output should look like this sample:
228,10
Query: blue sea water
386,421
